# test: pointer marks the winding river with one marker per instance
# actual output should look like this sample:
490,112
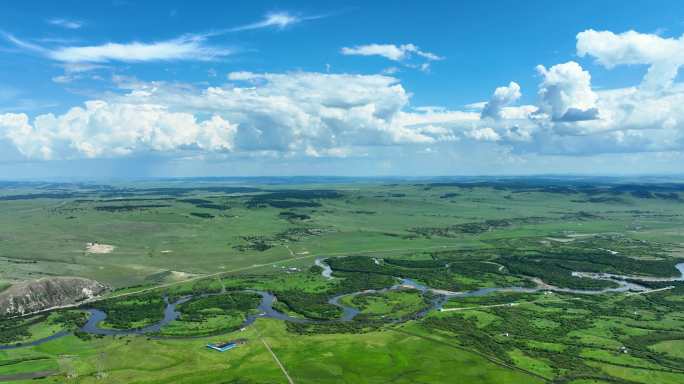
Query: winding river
266,310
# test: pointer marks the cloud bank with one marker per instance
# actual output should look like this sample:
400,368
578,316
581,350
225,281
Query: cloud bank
101,129
345,115
664,56
296,112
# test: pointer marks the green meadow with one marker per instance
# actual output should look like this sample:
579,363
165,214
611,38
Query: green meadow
216,242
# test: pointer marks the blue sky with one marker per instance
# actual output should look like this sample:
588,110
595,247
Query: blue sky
173,88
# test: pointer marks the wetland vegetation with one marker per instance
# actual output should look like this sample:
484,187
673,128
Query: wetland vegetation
176,241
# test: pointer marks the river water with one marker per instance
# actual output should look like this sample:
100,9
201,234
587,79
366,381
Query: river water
327,271
266,310
610,276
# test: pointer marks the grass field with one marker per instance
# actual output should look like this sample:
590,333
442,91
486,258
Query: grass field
455,236
367,358
155,236
394,304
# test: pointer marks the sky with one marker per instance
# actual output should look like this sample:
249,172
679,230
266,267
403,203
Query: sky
123,88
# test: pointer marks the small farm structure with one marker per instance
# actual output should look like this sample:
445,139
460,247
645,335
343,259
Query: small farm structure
226,345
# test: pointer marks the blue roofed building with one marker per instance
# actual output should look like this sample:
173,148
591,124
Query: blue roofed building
226,346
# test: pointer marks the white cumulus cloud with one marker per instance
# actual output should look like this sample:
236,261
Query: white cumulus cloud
301,112
664,56
338,115
103,129
483,134
565,92
502,97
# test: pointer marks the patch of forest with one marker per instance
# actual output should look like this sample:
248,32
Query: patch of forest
311,305
15,330
553,321
590,188
144,309
202,215
437,274
292,198
206,204
473,228
48,195
129,208
316,306
293,217
203,308
263,243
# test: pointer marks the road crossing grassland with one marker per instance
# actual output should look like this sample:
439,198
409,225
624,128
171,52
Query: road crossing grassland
651,291
282,368
511,304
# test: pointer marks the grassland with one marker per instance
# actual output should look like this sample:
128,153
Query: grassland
391,305
156,237
455,236
367,358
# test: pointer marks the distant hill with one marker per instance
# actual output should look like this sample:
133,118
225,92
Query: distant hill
44,293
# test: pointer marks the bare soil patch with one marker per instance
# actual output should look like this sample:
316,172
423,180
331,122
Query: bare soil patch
99,248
